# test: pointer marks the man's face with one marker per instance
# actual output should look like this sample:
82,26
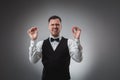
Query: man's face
55,27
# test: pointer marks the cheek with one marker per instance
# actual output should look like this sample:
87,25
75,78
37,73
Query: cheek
60,28
50,28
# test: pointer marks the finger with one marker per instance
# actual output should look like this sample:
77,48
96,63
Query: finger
33,29
77,29
29,31
73,29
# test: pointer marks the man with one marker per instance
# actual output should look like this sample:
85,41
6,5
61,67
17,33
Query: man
55,51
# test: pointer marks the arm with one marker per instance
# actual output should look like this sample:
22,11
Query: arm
35,51
75,49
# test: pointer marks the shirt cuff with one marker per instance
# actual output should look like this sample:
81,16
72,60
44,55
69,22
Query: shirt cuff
77,41
32,42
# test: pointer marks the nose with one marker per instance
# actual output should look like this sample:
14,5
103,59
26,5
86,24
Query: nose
55,26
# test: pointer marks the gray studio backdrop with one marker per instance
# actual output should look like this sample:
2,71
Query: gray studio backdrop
100,24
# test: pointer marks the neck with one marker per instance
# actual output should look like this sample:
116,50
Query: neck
54,36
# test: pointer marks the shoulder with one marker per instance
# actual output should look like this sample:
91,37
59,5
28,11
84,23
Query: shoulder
47,39
39,43
69,41
64,38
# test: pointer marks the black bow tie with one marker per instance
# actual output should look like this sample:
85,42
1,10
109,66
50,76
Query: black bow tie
54,39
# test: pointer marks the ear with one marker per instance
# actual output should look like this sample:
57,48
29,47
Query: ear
48,26
61,26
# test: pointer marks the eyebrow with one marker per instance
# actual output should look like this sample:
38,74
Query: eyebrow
55,24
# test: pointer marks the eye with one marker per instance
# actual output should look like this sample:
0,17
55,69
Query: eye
52,24
57,24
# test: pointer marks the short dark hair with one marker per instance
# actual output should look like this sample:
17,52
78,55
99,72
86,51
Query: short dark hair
54,17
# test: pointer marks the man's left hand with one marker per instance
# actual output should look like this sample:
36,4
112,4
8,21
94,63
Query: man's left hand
76,32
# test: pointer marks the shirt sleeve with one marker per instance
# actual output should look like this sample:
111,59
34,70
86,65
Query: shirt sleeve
35,51
75,49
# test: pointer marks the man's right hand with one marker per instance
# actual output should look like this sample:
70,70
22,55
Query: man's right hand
33,33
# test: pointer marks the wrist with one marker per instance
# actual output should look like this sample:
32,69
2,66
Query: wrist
77,40
32,42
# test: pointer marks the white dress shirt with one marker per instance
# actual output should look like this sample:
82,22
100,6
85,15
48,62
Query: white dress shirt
75,49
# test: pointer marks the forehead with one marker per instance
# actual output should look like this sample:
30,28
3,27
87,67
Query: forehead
54,21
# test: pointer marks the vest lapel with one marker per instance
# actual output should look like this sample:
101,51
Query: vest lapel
60,43
50,46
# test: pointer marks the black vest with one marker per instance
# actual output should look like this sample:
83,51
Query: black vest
56,63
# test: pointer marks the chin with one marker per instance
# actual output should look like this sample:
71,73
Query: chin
55,35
